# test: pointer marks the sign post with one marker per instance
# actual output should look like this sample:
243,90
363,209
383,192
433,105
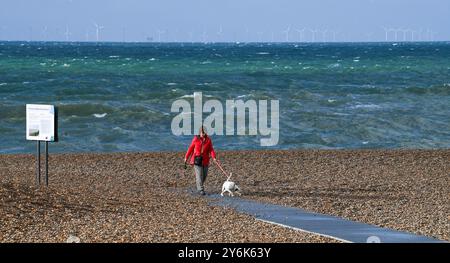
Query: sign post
42,125
38,163
46,163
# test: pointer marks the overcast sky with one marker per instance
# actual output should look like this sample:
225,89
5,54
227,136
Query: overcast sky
225,20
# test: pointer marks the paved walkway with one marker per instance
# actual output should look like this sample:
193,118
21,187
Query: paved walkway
324,225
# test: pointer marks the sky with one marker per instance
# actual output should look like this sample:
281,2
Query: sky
225,20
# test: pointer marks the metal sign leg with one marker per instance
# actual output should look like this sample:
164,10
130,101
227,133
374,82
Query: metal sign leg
38,163
46,163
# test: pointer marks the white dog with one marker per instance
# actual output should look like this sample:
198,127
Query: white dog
230,187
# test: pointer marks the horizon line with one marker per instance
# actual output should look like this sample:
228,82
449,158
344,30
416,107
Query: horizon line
222,42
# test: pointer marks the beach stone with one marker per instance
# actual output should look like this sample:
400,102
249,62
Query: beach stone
73,239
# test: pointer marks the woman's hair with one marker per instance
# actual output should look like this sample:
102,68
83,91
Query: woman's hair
202,129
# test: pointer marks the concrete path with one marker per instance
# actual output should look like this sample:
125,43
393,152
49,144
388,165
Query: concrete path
324,225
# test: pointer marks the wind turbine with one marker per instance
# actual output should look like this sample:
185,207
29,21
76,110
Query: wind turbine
386,32
204,36
411,33
87,35
97,30
260,34
167,33
313,34
31,33
432,34
404,32
288,29
159,32
419,34
393,30
396,33
247,34
191,36
44,33
300,34
396,30
324,34
175,35
334,32
67,33
219,34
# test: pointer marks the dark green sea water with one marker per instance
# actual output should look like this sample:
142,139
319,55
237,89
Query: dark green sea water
360,95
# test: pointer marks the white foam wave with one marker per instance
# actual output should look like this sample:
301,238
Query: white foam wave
335,65
192,96
187,96
207,84
100,115
365,106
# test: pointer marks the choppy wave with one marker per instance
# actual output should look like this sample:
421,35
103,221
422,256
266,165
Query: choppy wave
443,89
84,109
365,106
100,115
191,96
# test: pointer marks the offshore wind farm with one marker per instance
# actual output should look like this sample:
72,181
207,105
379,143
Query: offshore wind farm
299,34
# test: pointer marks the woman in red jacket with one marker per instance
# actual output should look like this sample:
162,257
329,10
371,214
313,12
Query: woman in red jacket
198,155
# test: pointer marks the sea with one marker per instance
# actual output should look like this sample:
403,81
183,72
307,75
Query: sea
117,97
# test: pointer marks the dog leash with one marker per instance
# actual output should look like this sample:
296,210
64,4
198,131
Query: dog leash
220,167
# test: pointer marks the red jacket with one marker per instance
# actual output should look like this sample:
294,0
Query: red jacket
194,150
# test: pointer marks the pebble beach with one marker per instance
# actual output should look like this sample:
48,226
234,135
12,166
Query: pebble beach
146,197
